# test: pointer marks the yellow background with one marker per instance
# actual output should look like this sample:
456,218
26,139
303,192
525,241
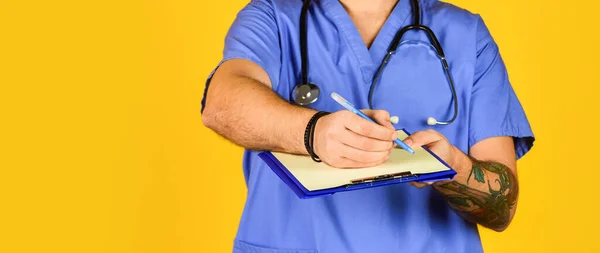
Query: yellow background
102,147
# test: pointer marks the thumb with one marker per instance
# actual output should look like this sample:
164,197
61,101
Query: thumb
422,138
419,184
382,117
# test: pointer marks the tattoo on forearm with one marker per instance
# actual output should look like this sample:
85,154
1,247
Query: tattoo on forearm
487,197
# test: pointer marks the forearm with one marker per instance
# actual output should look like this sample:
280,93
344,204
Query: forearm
482,192
250,114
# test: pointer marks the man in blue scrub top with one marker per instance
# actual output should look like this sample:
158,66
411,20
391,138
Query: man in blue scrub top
248,102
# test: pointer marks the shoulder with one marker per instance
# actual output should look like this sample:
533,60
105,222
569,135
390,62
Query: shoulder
286,3
275,9
279,5
272,6
457,20
450,13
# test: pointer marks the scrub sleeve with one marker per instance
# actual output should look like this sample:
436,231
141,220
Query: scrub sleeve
495,109
253,36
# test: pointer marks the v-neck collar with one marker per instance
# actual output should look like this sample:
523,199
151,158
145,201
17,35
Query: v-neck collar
368,59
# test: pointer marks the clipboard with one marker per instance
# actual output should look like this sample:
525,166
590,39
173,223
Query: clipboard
356,183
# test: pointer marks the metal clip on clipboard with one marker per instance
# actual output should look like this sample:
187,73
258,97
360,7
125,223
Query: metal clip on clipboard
372,180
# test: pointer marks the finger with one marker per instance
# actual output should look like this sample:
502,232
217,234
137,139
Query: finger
422,138
362,156
369,129
358,141
382,117
418,184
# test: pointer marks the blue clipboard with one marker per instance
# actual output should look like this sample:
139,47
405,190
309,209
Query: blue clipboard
288,178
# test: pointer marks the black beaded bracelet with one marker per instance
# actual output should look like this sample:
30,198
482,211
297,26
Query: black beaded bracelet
309,135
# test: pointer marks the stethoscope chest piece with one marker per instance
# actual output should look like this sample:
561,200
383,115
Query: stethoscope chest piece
305,94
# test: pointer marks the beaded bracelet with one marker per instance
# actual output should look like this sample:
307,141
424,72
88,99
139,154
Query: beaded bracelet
309,135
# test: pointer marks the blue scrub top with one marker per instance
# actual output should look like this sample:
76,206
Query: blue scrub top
396,218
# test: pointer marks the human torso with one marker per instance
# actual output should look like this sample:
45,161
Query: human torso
396,218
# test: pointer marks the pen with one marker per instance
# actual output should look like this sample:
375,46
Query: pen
350,107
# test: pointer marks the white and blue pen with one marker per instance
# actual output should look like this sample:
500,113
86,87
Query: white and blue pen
350,107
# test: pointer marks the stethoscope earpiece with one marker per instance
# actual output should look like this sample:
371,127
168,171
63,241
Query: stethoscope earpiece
431,121
305,94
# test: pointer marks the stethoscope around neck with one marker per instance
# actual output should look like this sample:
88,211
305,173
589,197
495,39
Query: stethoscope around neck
307,93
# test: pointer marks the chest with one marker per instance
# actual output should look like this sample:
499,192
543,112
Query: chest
413,84
368,24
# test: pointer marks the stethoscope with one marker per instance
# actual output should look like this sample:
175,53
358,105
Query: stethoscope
307,93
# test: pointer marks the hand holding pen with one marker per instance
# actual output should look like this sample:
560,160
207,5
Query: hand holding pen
350,107
344,139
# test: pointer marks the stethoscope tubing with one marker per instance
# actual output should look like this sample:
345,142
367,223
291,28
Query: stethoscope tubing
313,89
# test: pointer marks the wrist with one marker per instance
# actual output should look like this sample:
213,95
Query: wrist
462,161
309,135
316,137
